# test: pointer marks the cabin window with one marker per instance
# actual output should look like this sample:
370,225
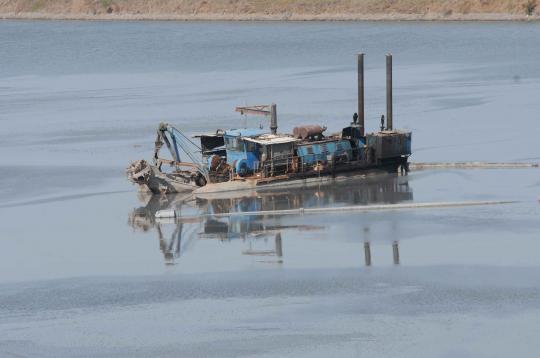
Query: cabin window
233,143
251,147
309,150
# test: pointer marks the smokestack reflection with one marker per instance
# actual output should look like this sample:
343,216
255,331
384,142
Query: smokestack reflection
395,251
367,253
261,232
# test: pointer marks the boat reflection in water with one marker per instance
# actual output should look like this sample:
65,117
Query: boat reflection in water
208,217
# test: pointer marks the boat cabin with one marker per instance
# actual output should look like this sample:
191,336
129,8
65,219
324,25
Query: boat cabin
249,150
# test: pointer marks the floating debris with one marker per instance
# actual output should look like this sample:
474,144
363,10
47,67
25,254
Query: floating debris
168,213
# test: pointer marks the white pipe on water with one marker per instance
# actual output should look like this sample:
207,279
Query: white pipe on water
355,208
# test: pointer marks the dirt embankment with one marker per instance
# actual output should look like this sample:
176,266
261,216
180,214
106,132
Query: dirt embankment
272,9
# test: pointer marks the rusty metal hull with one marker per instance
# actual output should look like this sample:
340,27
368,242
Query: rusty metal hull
165,183
288,182
150,178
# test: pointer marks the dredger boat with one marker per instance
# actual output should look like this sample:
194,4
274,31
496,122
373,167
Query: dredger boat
253,158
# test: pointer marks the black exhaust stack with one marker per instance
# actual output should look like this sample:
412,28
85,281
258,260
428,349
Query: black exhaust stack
273,118
361,116
389,122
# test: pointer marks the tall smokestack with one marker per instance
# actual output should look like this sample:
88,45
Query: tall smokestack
361,118
389,118
273,118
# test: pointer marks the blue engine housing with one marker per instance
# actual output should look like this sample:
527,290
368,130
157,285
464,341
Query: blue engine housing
318,152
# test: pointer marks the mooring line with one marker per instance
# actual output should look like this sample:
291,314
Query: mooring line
339,209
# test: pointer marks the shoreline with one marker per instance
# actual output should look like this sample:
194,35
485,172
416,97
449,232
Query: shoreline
268,17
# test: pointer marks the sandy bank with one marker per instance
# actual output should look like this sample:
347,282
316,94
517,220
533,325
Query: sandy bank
266,17
277,10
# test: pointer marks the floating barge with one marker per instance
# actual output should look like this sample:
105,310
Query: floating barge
255,158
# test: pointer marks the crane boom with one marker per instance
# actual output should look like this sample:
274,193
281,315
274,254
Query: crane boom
180,144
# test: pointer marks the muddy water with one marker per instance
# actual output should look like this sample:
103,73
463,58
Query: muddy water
86,269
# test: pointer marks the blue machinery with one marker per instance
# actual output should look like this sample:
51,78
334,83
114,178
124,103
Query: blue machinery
242,154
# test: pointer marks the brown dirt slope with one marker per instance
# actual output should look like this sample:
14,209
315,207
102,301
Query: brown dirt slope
273,9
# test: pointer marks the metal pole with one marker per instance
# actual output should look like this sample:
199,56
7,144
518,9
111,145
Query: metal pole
389,118
273,118
361,116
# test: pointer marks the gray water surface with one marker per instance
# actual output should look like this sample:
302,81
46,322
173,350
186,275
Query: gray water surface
86,269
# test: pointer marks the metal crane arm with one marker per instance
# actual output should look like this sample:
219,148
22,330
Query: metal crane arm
177,143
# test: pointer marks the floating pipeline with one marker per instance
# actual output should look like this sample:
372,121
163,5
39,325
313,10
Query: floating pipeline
472,165
341,209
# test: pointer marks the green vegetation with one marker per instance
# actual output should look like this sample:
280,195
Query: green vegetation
530,6
38,5
106,3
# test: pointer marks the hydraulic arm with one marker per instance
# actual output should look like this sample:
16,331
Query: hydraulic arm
178,143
